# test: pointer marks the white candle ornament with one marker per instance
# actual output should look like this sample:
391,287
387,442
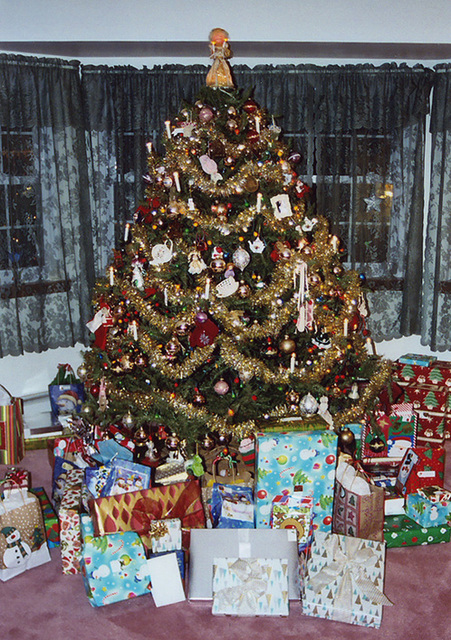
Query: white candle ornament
259,202
111,276
126,232
168,128
177,181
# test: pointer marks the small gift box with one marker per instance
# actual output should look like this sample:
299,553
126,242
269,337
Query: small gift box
430,506
15,478
345,579
294,512
250,586
166,535
401,531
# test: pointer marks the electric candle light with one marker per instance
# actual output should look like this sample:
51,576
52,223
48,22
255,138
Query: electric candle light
335,243
292,362
149,147
257,124
177,180
111,276
135,330
207,289
259,202
126,232
345,327
168,127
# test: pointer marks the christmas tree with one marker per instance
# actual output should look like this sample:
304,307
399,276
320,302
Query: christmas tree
228,302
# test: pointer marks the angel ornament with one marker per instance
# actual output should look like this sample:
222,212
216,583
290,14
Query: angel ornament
219,74
196,263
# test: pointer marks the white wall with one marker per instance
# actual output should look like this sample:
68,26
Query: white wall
411,21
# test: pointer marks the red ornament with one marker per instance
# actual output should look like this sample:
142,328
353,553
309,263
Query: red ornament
204,333
250,106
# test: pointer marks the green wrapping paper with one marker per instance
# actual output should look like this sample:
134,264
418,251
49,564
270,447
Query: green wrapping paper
401,531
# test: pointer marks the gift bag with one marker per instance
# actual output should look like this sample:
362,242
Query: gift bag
358,505
23,542
66,393
232,507
12,443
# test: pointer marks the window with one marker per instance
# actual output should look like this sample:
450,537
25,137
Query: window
20,229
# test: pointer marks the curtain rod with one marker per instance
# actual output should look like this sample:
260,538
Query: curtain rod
257,49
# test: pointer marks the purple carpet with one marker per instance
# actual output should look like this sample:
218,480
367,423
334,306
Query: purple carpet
43,603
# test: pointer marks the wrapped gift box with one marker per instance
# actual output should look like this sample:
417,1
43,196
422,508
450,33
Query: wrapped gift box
51,522
294,511
397,432
427,397
437,373
421,467
417,359
114,567
429,507
401,531
303,460
331,591
15,478
166,535
433,427
250,586
69,521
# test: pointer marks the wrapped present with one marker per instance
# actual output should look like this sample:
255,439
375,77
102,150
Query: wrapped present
250,586
294,511
393,502
166,580
358,504
170,472
15,478
401,531
427,397
12,440
69,520
134,511
303,461
293,423
51,522
433,427
166,535
114,567
430,506
417,358
421,467
437,373
345,580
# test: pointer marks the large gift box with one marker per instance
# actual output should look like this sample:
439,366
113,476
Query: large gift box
401,531
391,436
69,520
303,461
51,522
430,506
136,510
345,580
114,567
250,586
423,371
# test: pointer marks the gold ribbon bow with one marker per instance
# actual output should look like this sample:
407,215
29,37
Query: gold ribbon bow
348,562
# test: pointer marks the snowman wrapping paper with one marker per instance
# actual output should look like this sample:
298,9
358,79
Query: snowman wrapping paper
23,542
304,461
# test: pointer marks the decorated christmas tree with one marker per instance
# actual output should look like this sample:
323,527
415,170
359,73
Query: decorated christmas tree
227,303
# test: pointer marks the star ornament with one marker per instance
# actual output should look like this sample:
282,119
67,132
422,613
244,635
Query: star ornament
373,203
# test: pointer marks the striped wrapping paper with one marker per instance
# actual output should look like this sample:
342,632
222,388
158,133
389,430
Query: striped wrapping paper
12,443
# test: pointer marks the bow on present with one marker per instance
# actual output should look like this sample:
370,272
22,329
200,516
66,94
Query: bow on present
245,595
348,560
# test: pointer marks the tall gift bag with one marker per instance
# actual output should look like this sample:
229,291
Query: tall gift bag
12,443
23,543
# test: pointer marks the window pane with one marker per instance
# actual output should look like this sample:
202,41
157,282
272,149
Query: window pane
17,154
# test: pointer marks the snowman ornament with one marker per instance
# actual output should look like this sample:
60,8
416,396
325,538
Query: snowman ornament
17,552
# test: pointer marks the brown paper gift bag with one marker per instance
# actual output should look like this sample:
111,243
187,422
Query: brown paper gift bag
358,506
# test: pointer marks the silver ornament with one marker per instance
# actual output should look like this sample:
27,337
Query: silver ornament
241,258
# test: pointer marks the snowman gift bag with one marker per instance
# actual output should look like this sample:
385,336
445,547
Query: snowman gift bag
23,542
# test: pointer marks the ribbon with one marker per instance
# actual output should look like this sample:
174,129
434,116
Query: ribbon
244,597
348,561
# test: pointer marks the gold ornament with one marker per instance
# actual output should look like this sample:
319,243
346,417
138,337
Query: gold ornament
287,345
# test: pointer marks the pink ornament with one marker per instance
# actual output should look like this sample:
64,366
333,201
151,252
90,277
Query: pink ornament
201,316
221,387
205,114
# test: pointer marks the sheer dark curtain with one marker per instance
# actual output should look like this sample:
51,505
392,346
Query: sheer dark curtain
46,269
359,130
436,318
